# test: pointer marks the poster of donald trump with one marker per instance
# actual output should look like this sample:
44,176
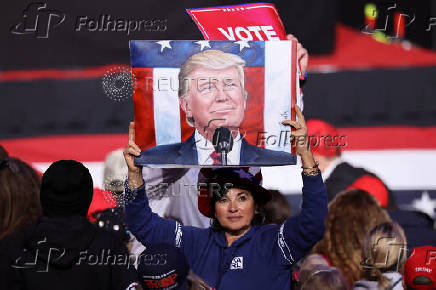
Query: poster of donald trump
214,103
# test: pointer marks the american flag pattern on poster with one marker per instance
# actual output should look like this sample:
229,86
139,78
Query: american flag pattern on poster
248,22
270,79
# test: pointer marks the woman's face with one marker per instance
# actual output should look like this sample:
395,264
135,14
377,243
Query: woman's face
235,210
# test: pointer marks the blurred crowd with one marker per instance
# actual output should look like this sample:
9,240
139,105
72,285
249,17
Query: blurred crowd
59,232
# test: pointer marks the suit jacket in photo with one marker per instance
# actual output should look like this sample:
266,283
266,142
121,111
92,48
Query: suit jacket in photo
185,153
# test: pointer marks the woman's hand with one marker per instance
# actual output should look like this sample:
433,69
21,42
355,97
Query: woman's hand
134,179
302,54
301,139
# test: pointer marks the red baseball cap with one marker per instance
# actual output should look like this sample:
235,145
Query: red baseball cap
420,268
374,186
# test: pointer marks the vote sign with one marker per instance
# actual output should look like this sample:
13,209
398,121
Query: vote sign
247,22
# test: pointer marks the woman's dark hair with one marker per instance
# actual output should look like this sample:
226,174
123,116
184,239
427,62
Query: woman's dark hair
19,195
259,217
277,210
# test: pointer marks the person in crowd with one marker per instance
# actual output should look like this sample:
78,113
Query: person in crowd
64,250
420,269
235,252
104,201
419,227
114,172
321,277
307,263
313,259
384,253
19,194
351,215
175,199
326,145
277,210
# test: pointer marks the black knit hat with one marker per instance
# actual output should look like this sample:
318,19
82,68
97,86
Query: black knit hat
66,189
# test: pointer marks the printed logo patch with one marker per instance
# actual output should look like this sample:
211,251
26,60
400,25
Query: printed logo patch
237,263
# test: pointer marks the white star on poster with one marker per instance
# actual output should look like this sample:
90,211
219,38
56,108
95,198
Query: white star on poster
203,44
425,204
164,44
242,44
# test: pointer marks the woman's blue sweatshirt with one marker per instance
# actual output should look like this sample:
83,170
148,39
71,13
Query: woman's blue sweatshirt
261,259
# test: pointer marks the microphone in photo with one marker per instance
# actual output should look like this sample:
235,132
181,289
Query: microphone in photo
223,142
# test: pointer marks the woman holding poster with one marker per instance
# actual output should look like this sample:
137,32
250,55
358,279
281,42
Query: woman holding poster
237,251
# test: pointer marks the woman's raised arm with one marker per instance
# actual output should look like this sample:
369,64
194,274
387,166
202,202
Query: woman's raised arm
134,177
145,225
300,233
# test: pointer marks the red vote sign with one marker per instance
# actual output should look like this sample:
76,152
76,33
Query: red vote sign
258,21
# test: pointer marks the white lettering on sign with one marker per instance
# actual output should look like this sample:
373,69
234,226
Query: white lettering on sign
249,33
256,30
245,31
270,33
230,35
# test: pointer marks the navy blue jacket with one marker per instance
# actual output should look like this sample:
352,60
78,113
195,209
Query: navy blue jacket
186,153
261,259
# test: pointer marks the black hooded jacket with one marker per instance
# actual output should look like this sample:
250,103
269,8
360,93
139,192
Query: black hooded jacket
65,253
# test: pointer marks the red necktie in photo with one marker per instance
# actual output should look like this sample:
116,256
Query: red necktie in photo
216,157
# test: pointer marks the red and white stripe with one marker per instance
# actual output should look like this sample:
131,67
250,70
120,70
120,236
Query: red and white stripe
403,161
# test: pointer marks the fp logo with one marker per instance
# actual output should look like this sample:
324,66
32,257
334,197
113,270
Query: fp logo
38,20
237,263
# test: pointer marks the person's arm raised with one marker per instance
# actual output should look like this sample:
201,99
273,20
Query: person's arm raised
301,141
300,233
134,175
145,225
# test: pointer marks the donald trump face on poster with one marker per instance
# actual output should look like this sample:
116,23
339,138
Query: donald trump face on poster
212,95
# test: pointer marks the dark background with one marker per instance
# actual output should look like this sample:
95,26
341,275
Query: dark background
51,106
